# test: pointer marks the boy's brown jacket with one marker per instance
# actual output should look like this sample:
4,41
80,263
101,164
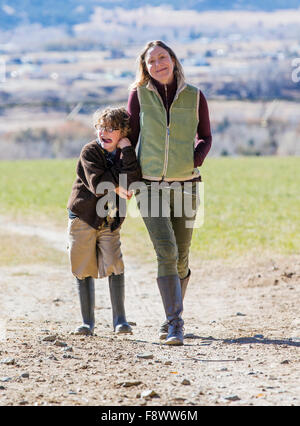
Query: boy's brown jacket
92,169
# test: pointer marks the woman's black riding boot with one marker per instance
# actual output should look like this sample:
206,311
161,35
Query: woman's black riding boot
184,283
117,297
163,331
170,290
86,291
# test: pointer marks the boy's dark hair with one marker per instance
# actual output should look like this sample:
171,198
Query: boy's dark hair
113,118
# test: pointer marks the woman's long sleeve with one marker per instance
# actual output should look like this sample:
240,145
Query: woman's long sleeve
204,137
133,109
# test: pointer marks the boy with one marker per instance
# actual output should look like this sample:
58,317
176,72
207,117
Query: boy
94,241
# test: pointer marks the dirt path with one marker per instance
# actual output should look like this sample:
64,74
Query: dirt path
242,342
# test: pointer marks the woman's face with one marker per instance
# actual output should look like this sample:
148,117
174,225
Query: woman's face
160,65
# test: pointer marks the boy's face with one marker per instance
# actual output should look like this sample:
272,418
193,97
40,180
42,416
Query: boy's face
109,138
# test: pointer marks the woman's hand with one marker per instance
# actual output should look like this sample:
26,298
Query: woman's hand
123,193
123,143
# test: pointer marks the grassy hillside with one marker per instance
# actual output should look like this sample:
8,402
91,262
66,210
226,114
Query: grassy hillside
251,204
36,190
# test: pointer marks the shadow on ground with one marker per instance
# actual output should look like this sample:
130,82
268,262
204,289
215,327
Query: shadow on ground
250,340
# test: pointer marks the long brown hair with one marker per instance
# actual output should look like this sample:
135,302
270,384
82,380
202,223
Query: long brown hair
142,75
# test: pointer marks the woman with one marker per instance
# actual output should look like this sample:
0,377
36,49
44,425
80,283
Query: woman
169,118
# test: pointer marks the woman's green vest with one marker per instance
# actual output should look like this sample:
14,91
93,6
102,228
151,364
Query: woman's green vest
167,152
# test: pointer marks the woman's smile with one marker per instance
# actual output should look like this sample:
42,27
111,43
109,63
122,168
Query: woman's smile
162,70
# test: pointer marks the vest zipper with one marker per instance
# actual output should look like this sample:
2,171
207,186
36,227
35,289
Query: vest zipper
179,89
167,137
168,127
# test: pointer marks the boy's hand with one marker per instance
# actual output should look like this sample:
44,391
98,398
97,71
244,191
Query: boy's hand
123,193
123,143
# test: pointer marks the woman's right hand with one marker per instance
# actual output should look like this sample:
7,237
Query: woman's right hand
123,143
123,193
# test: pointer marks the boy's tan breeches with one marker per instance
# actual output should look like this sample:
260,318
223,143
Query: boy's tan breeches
94,253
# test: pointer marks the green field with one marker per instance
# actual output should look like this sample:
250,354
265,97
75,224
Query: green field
252,204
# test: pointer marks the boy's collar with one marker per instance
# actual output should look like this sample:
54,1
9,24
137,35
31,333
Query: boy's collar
116,153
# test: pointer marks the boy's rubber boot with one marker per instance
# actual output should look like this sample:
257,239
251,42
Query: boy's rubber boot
86,291
117,297
163,331
170,290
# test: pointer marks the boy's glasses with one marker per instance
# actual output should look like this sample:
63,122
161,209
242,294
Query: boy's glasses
105,129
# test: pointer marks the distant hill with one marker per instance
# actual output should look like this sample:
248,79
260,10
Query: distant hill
71,12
